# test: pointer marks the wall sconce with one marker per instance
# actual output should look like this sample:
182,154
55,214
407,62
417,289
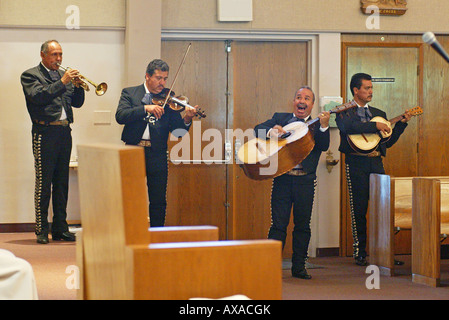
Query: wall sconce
330,161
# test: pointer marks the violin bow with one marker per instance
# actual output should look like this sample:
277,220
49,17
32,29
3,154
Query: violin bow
177,73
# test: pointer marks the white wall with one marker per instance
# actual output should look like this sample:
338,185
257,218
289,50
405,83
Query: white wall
99,55
326,227
308,16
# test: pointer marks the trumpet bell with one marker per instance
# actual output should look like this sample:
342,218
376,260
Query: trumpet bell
101,89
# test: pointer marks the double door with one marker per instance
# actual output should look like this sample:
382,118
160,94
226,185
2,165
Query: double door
238,84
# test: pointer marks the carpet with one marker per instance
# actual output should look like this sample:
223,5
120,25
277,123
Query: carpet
287,265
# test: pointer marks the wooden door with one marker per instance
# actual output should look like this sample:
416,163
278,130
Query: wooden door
396,82
196,192
237,88
266,76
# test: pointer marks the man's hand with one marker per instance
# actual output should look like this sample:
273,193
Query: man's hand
383,128
190,114
407,116
277,131
155,110
324,119
69,75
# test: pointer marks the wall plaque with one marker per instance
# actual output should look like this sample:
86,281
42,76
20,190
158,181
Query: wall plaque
386,7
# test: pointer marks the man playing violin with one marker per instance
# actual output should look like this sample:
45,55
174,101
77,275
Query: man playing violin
296,187
360,165
135,106
50,95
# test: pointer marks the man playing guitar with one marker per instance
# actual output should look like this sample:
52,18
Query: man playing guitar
360,165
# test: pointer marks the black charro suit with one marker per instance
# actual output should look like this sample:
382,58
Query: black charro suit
298,191
359,168
45,97
52,143
131,113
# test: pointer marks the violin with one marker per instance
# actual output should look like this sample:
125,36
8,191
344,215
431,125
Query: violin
167,98
178,103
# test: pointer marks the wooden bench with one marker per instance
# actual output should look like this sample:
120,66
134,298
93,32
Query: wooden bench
120,258
390,210
430,226
157,235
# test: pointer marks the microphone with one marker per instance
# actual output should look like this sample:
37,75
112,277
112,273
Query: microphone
430,39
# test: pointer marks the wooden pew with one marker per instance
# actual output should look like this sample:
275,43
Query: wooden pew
157,235
390,210
430,225
183,234
121,259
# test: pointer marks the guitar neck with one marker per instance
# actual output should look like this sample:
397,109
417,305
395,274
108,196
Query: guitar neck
310,122
396,119
412,112
335,110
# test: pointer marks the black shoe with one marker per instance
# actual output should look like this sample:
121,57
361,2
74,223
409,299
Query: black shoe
361,261
65,236
398,262
42,238
301,274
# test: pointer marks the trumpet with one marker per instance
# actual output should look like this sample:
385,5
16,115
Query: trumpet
100,89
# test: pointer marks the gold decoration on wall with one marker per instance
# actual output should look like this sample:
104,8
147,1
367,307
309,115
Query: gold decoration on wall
386,7
330,161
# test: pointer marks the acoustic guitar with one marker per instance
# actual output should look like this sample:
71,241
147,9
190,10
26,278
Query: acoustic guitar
264,159
368,142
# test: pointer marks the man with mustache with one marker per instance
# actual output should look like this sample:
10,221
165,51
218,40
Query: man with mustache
50,97
297,187
359,166
135,104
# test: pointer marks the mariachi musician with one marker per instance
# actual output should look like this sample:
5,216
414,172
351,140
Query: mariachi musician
50,95
135,107
296,187
360,165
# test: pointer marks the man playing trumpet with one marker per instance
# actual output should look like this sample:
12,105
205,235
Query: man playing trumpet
50,95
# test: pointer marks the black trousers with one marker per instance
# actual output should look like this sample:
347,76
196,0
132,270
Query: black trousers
157,175
358,170
299,192
52,146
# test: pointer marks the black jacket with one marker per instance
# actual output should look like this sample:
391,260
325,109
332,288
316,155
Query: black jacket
45,97
349,123
131,113
322,139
